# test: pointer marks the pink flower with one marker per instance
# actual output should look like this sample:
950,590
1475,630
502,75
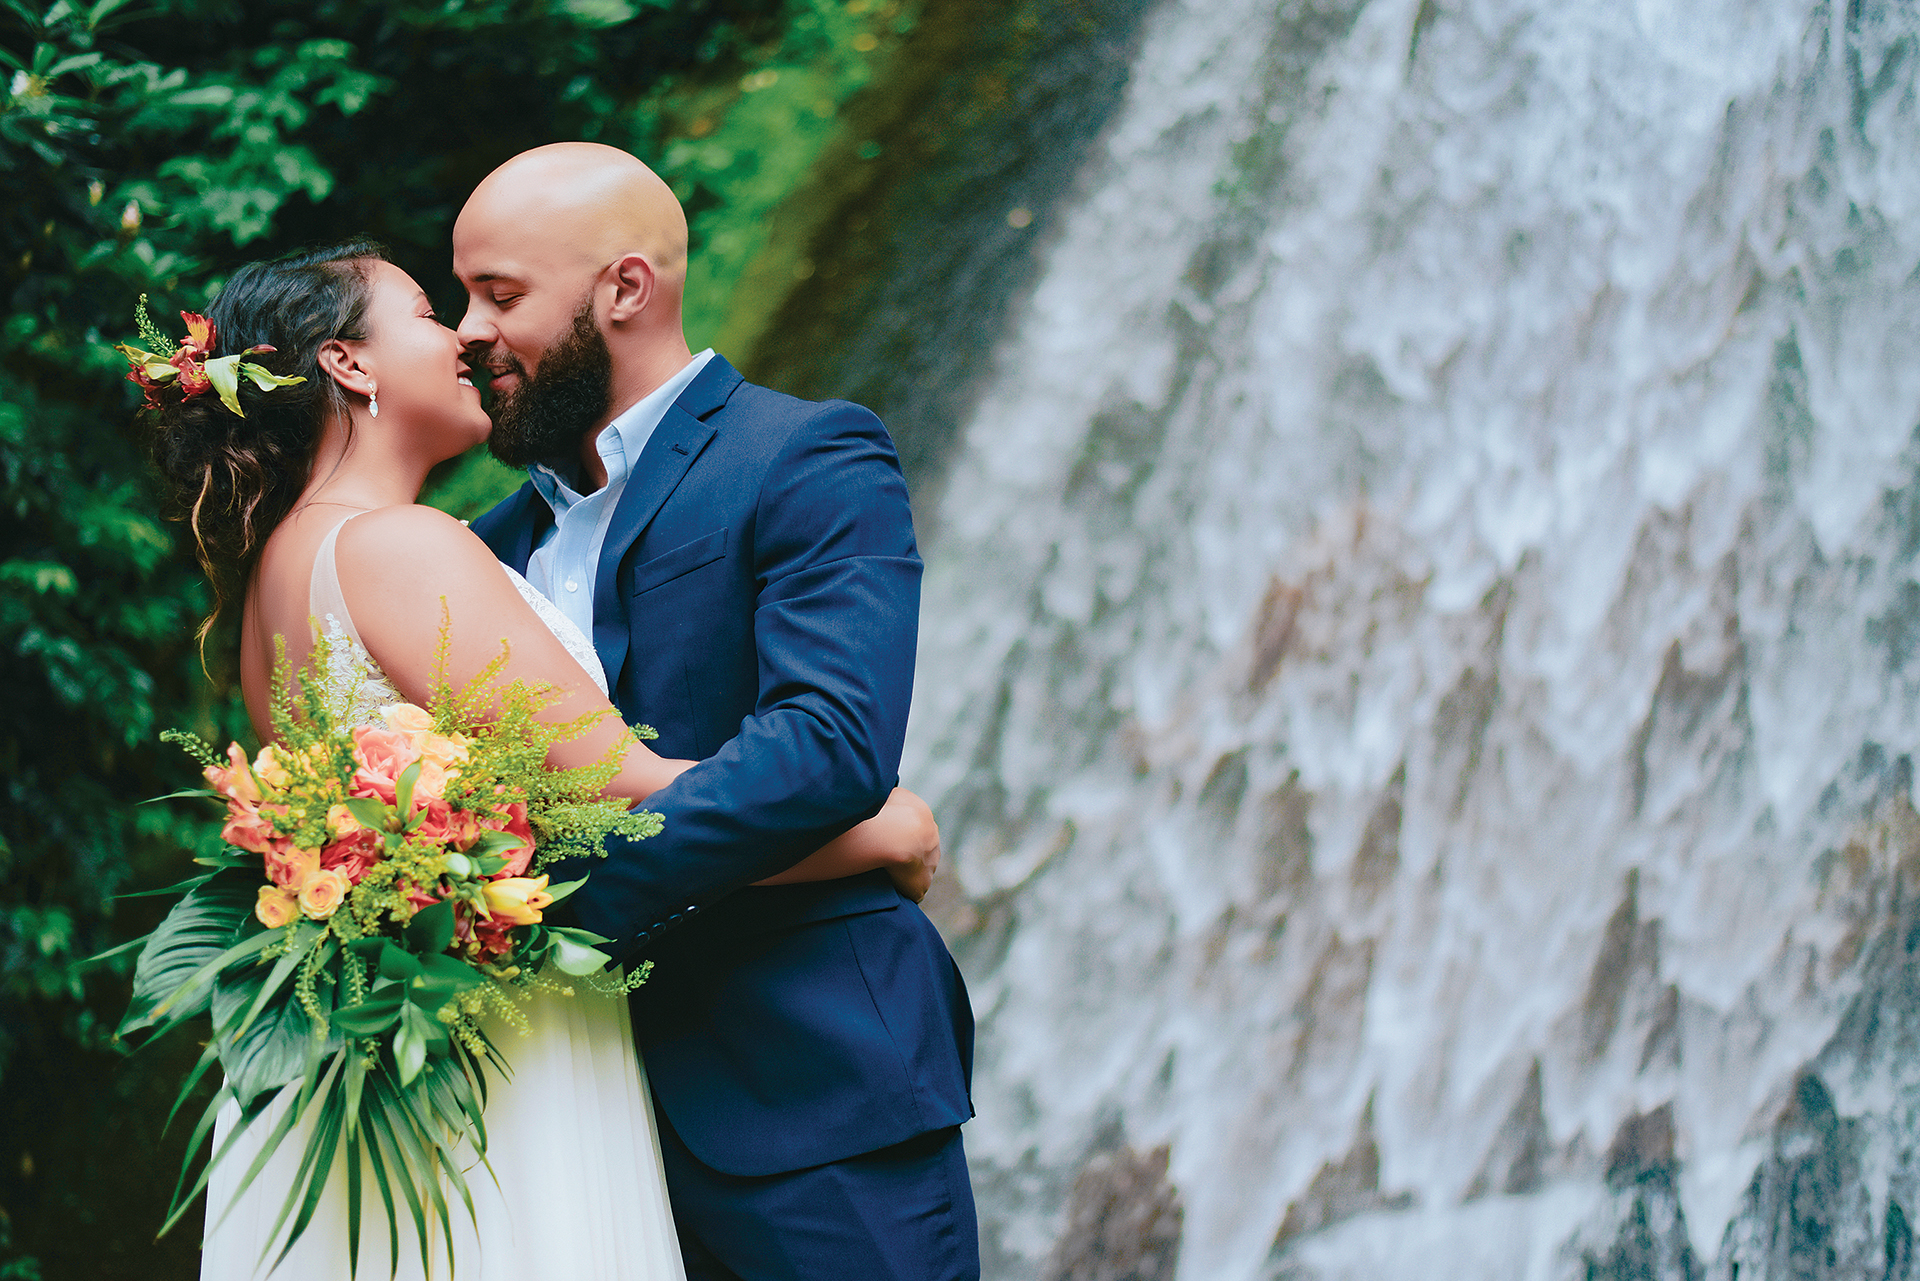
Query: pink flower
383,755
236,782
512,819
445,825
289,867
354,854
251,829
420,898
480,937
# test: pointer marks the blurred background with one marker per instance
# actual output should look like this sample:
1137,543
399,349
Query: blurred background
1421,502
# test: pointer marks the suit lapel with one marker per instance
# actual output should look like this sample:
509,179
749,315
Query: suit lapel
683,432
512,535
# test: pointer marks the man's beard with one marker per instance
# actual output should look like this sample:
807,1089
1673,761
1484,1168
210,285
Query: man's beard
542,419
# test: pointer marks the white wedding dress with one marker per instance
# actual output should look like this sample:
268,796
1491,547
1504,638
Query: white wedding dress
581,1193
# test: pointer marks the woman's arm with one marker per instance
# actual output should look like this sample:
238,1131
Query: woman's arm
407,572
902,838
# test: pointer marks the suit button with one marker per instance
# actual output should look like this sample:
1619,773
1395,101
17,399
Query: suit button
674,917
692,908
641,937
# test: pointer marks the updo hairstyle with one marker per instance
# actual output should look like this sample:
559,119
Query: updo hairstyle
234,479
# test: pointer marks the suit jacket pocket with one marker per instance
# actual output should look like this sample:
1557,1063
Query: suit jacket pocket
679,562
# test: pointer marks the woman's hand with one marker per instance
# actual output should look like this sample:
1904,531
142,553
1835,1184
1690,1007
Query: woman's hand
902,838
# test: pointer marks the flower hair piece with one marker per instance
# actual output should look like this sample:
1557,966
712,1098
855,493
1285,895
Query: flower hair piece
185,366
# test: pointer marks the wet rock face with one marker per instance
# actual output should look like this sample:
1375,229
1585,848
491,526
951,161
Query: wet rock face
1123,1222
1419,666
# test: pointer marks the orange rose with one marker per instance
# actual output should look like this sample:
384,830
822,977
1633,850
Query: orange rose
323,893
276,907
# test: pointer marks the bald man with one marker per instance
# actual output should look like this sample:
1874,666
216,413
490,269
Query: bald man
745,564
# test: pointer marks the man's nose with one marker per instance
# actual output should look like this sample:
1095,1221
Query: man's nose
476,333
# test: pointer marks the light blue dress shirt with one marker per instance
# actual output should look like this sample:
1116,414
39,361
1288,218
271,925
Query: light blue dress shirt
563,566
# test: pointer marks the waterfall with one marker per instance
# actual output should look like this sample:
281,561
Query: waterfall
1417,666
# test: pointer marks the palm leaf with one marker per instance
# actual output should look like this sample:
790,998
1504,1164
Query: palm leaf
170,977
415,1146
281,1128
310,1183
275,1049
382,1126
353,1196
208,1057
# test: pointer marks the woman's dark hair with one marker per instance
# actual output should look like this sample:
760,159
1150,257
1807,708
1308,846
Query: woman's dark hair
234,479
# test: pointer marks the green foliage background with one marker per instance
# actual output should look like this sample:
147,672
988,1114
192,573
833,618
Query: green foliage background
151,148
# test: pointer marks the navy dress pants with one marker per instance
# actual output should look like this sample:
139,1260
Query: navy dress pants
904,1213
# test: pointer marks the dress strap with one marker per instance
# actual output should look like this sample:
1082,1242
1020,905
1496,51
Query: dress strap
325,603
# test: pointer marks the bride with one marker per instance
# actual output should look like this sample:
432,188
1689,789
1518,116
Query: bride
303,511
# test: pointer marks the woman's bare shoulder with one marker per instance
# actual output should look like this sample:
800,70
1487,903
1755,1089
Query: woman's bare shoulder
412,543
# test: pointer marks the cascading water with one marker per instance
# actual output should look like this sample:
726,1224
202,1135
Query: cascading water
1417,671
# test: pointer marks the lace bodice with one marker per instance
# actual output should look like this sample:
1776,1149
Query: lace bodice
355,688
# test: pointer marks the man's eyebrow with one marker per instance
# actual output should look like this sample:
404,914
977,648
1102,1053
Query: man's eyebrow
487,277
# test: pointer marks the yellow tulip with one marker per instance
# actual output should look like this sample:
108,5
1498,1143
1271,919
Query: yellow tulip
517,899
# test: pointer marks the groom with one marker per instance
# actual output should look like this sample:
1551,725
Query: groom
745,565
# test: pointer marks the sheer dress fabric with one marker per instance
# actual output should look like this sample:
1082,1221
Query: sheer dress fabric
571,1140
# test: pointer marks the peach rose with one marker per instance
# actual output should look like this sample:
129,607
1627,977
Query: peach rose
517,899
383,755
268,770
443,750
408,719
276,906
323,893
432,782
341,822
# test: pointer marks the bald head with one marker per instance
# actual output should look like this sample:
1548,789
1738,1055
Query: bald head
590,203
573,256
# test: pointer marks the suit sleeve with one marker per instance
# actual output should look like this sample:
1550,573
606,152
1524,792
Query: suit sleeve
836,619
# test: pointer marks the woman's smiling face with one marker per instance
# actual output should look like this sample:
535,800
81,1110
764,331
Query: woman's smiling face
415,362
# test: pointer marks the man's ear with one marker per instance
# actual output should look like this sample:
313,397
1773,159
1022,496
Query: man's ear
342,364
633,283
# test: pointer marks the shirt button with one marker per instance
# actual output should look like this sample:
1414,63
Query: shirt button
572,586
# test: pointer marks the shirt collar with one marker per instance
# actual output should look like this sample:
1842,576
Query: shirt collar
621,440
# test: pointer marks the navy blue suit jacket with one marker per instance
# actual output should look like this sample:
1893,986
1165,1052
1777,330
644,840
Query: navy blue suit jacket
757,602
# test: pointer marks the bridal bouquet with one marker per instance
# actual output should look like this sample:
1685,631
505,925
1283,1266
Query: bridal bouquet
377,895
